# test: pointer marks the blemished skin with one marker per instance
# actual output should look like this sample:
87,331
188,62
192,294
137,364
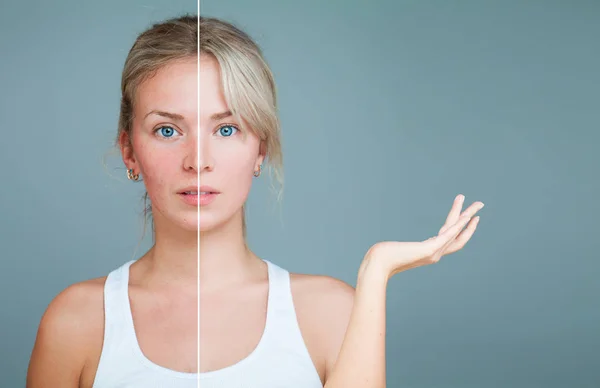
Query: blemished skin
163,283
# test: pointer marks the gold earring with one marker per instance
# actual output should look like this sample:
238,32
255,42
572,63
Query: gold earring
131,176
257,173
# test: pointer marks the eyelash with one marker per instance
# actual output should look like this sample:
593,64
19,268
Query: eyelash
217,130
227,125
155,131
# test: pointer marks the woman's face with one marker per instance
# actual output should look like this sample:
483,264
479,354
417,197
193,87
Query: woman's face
229,152
165,142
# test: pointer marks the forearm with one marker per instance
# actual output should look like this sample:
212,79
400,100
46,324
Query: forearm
361,360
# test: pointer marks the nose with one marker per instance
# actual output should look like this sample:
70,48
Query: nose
206,160
190,162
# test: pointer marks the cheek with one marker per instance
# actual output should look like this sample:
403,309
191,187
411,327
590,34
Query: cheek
236,168
158,165
238,171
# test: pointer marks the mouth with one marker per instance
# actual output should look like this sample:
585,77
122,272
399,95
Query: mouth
207,196
192,198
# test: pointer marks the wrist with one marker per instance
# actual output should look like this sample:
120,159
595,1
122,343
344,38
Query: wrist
373,269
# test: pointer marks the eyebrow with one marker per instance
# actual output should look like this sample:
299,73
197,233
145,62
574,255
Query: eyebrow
221,116
172,116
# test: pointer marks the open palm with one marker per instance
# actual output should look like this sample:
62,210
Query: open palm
397,256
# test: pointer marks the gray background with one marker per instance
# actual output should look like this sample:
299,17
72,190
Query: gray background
389,109
67,211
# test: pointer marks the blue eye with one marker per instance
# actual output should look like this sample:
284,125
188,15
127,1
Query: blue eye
166,131
227,130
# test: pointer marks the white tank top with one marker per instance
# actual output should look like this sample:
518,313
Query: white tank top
280,359
122,363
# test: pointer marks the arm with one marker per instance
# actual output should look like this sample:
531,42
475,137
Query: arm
58,355
361,360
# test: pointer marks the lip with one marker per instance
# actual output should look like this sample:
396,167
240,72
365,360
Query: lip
190,199
206,199
189,188
208,189
195,199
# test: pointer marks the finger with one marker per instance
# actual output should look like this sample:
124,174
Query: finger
469,212
454,213
444,250
436,243
473,209
464,237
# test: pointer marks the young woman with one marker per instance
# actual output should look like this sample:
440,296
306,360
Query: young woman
261,326
138,326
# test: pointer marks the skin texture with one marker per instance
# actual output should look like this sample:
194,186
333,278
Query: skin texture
163,283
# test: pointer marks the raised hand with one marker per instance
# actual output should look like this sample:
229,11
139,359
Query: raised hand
393,256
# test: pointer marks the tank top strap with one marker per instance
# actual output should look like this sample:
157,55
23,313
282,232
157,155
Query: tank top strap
282,323
284,342
118,322
280,294
122,362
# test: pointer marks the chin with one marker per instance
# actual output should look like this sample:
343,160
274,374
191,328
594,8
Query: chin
183,220
208,222
184,225
206,226
188,222
189,226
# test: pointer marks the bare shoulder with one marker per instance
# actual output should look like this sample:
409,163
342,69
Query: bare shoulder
76,302
67,335
324,300
323,307
321,291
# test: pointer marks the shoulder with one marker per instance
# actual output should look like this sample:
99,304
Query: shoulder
73,310
321,290
69,329
323,305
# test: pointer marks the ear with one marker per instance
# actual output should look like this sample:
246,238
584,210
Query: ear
127,152
262,153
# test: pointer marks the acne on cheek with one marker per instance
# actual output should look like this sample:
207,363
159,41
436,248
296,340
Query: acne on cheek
150,159
155,197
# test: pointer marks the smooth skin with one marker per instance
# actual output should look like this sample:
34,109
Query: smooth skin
343,328
233,280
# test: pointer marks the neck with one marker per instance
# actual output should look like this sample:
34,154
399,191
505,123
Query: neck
173,260
225,259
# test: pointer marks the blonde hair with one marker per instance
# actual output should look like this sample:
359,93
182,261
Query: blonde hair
248,87
161,44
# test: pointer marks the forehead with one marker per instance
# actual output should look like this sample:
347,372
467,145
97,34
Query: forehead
173,88
212,99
